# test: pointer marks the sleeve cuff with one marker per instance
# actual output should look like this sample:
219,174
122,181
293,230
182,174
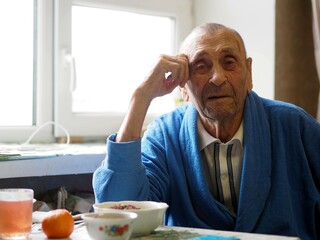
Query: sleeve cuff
123,156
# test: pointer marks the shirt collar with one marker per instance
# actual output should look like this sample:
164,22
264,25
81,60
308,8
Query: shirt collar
205,138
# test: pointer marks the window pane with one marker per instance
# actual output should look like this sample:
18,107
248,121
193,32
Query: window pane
16,61
114,51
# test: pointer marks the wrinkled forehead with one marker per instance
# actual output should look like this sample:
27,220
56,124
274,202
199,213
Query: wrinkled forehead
216,41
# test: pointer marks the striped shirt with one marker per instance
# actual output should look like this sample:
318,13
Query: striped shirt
222,166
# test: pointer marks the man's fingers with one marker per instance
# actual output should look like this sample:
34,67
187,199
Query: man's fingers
177,68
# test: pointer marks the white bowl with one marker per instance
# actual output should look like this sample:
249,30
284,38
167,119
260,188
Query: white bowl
150,214
111,226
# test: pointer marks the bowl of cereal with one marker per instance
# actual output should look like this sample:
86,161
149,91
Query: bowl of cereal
112,226
150,214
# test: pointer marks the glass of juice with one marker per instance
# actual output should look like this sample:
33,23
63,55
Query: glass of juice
15,213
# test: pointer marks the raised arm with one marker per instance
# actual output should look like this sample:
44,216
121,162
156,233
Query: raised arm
156,84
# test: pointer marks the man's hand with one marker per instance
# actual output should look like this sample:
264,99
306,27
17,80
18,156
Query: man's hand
166,75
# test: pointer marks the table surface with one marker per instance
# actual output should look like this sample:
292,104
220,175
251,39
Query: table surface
171,233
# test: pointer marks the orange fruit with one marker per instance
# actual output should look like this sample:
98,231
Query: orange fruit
58,223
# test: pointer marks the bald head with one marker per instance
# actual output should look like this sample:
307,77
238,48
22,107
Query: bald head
208,29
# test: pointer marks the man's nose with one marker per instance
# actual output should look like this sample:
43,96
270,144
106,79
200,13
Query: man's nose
218,77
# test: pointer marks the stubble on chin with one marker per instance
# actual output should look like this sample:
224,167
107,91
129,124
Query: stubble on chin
215,112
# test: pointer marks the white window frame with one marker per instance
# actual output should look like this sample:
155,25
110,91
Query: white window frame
85,124
43,85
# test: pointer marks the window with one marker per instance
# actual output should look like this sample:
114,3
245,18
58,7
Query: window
15,52
26,69
105,44
108,47
79,61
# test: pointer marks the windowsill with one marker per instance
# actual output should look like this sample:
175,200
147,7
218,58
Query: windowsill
50,160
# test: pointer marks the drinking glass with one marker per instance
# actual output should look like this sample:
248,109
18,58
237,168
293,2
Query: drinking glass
15,213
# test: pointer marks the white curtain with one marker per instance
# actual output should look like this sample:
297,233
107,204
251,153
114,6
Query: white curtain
316,35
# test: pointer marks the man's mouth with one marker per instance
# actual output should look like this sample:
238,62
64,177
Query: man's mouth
217,97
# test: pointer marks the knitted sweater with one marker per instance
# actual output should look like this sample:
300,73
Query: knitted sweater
280,182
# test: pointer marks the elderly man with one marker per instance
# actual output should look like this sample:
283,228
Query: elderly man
229,159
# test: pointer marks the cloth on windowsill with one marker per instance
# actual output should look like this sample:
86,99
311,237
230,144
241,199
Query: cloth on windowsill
59,198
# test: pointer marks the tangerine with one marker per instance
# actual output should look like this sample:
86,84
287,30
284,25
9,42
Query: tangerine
58,223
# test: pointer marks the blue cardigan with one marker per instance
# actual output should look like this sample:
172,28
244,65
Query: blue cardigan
280,182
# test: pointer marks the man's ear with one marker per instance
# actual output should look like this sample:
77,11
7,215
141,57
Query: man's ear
249,76
184,93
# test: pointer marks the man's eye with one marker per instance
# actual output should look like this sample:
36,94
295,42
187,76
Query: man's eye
200,67
229,63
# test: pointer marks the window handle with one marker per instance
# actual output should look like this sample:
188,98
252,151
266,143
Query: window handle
71,64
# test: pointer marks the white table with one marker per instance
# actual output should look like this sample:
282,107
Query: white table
165,232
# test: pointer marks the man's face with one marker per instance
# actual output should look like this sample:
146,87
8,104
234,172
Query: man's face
220,75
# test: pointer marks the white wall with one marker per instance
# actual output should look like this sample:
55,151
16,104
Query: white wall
255,21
